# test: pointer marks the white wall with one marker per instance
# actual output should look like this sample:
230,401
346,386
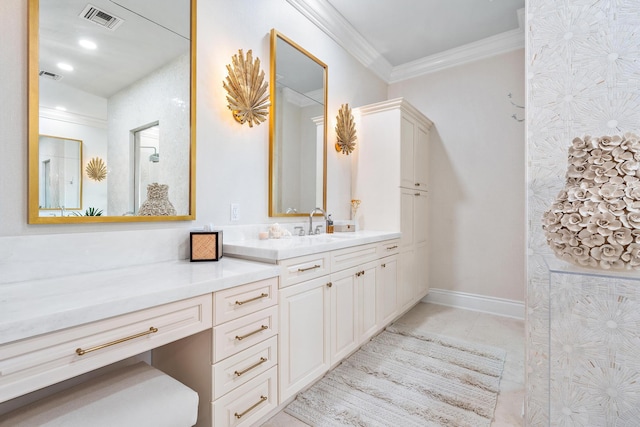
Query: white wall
232,160
476,174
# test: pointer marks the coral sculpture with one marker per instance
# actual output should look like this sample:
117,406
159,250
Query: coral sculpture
595,220
157,203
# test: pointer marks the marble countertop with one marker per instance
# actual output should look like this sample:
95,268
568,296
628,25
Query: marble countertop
40,306
273,250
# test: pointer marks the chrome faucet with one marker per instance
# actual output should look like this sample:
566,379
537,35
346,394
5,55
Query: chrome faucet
311,218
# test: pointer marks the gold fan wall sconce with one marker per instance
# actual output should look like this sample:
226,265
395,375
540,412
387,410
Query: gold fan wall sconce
345,130
96,169
248,95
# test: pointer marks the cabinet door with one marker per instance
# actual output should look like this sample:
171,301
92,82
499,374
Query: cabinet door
407,153
421,272
407,202
420,220
304,334
387,290
406,279
344,306
421,158
367,301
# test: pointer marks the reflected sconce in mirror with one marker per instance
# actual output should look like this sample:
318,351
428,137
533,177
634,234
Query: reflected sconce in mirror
345,130
248,95
96,169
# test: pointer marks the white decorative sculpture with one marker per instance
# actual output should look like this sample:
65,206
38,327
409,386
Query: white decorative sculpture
595,219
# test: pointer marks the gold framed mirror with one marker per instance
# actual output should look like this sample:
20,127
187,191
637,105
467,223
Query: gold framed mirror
297,130
118,76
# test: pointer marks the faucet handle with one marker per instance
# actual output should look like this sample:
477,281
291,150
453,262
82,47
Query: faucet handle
298,230
318,227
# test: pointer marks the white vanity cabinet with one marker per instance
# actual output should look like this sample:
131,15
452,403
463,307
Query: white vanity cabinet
324,319
233,366
397,136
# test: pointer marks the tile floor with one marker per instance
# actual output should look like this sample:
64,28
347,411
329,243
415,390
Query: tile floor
498,331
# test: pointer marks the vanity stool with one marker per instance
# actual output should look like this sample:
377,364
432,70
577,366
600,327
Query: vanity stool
137,395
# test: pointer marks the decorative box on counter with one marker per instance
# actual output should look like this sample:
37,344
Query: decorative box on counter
206,245
342,226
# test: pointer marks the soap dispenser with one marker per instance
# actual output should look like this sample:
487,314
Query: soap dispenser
329,227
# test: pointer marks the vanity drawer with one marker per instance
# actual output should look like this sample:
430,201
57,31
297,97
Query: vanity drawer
244,366
239,301
237,335
388,247
43,360
248,403
299,269
351,257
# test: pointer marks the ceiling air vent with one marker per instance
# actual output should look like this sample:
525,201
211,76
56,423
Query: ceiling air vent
100,17
50,75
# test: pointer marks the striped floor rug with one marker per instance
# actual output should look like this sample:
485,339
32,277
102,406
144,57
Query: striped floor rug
404,378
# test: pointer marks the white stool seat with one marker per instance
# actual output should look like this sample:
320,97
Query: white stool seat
136,395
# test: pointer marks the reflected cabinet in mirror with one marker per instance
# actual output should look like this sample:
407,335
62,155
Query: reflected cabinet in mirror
298,129
111,110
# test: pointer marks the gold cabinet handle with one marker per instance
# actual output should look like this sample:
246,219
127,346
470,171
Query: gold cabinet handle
329,284
81,352
242,414
417,194
417,184
362,273
300,270
241,337
255,365
383,265
392,247
262,295
357,274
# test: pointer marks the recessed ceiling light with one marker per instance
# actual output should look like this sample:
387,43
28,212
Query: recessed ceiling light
64,66
60,108
87,44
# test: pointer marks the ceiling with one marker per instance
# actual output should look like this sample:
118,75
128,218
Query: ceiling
399,39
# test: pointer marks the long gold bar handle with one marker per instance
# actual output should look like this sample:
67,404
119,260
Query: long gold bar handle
255,365
241,337
392,247
300,270
262,295
262,399
81,352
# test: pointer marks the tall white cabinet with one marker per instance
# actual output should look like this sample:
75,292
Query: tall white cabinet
390,177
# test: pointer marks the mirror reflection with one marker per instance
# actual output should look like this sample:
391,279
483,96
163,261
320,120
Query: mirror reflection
60,173
298,129
115,75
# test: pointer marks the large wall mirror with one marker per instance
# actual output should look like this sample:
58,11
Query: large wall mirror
114,82
298,130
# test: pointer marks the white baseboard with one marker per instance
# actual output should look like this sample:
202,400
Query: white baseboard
475,302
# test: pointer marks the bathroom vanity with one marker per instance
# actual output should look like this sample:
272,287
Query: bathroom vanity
246,334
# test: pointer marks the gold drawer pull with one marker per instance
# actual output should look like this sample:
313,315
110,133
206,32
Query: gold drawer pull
255,365
300,270
383,265
81,352
329,284
417,184
417,194
262,328
262,399
262,295
392,247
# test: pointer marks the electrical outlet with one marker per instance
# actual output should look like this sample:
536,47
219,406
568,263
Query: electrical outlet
235,212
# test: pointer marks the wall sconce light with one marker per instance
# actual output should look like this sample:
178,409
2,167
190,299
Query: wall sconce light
96,169
248,97
345,130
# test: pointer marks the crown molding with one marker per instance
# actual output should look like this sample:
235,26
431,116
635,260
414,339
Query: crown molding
332,23
485,48
75,118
